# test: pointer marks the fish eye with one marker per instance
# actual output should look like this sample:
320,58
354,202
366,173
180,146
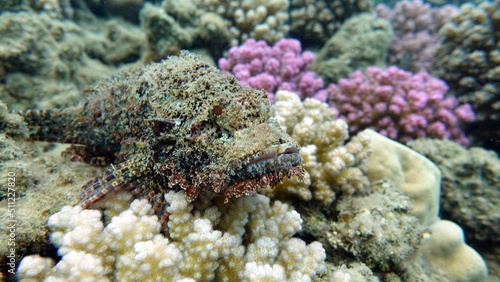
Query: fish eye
217,110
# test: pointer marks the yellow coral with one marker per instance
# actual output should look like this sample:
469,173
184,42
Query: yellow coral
446,252
414,174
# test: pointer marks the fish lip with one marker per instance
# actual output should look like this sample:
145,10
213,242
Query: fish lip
268,161
268,156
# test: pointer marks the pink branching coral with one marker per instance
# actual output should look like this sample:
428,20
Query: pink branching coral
400,105
416,26
280,67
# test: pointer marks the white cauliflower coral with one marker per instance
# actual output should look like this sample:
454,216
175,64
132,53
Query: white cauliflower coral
204,242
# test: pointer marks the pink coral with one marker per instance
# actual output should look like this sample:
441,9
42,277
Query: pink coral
399,104
280,67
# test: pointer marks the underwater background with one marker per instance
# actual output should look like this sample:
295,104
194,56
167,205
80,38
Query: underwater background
395,105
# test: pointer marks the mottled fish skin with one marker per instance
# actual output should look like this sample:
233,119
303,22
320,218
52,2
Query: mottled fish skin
175,124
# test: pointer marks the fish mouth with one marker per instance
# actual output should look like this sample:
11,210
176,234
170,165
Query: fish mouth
271,161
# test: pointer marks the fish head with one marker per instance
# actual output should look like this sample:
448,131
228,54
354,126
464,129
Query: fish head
234,147
252,151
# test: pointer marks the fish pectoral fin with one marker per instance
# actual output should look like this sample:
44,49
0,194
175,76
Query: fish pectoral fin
114,179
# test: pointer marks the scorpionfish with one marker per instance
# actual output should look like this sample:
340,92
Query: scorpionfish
176,124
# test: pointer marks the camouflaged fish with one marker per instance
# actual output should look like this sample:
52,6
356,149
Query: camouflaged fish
177,124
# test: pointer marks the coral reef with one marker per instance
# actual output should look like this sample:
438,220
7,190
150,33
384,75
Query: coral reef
444,250
118,43
470,194
177,25
377,229
314,21
61,9
260,19
362,41
246,240
50,60
281,67
214,25
127,9
416,176
331,166
34,52
370,232
469,60
394,231
399,104
416,26
372,229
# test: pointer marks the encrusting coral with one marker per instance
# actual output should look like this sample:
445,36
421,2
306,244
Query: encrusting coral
331,166
383,228
469,191
246,240
377,229
414,174
444,250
